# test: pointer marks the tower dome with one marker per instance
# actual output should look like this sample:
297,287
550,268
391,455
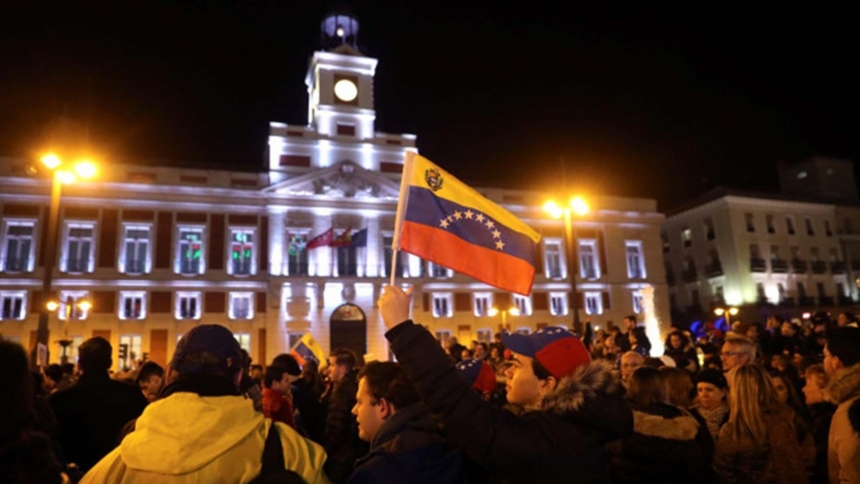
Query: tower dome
339,31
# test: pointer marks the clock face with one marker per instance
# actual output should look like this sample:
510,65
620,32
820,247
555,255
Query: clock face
345,90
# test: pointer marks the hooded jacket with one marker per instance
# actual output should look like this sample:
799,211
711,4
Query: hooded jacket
668,445
565,438
188,438
843,444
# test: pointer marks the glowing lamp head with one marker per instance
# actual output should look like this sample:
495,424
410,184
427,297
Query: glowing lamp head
85,169
66,177
579,205
52,305
553,209
493,312
51,161
719,311
733,311
85,305
514,311
340,32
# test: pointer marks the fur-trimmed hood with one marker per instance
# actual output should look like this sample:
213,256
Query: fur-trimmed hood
682,427
844,386
592,397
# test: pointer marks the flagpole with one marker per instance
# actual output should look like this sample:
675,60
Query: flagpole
405,176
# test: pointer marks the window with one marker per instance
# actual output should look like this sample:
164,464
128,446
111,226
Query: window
189,253
795,253
822,293
750,222
344,129
135,255
70,302
686,236
485,335
129,350
789,225
637,302
78,248
242,252
524,304
558,303
552,259
13,305
443,306
635,260
347,261
438,271
188,305
241,305
774,252
827,230
771,228
710,234
244,340
810,229
589,267
132,305
442,336
297,253
482,303
294,339
402,270
813,254
18,247
593,303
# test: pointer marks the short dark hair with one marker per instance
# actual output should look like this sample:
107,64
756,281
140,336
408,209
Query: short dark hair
539,370
631,317
344,357
483,345
273,373
288,363
646,387
95,354
204,363
54,372
388,380
844,343
148,370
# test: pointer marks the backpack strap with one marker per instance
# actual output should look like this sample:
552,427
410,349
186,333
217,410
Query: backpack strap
273,453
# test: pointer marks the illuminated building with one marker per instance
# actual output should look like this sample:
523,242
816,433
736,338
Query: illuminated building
158,250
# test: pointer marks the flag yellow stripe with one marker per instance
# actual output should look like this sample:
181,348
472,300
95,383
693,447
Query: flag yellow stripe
456,191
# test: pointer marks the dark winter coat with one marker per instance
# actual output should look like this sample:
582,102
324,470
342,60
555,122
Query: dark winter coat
562,441
668,445
91,414
843,447
409,447
341,440
822,414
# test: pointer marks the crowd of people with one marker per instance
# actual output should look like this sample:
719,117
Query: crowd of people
777,403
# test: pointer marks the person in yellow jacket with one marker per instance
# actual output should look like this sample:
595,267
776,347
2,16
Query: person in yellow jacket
201,429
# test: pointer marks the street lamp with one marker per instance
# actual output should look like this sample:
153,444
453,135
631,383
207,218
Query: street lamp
578,206
62,174
514,311
731,311
83,305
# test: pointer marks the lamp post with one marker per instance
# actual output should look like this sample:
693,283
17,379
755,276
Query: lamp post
579,207
60,177
514,311
728,312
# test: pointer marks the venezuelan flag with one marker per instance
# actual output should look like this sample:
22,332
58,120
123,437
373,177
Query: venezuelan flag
443,220
307,349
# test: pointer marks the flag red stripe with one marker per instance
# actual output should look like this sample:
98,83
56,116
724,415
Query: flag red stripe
444,248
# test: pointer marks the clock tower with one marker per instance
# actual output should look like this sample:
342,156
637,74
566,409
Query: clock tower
340,82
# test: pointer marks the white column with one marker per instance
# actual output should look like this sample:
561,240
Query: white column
277,243
372,251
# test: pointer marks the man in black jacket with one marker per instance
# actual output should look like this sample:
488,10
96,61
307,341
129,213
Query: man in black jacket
573,406
91,413
341,440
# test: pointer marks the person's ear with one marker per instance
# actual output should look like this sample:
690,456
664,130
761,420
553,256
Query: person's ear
548,385
386,409
837,363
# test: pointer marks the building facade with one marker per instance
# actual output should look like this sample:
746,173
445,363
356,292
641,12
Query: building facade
304,247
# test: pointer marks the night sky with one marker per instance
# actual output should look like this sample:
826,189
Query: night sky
635,102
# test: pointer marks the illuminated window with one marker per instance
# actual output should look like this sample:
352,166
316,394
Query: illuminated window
483,303
442,336
443,306
810,228
347,261
78,248
242,252
18,246
244,340
523,304
402,269
593,303
771,228
558,303
635,260
485,335
439,272
297,252
190,251
589,267
637,302
188,305
686,236
135,255
129,350
69,304
789,225
132,305
13,305
241,305
552,259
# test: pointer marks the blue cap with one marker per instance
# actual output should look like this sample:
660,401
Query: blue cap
557,349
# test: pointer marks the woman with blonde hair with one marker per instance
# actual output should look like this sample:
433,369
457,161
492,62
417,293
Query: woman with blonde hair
759,443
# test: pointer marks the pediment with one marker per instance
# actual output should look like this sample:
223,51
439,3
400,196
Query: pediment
344,179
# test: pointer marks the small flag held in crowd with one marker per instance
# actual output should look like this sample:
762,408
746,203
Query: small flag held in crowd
307,349
443,220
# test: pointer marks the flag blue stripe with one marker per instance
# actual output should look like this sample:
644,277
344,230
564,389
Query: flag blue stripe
426,208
